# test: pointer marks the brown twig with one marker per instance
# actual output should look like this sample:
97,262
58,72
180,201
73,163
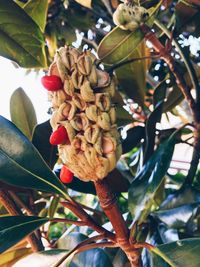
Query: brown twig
12,208
21,203
89,221
85,246
194,105
78,223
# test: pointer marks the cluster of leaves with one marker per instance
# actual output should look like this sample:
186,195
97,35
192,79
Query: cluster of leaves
164,211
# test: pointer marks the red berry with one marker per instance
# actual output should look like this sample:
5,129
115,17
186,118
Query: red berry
66,176
59,136
52,83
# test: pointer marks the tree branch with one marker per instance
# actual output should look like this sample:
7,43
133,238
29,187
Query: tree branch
12,208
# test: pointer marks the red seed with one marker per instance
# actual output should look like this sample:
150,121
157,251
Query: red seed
66,176
52,83
59,136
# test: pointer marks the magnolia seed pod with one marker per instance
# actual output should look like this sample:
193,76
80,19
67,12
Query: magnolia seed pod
110,89
91,112
58,98
93,79
55,119
103,120
79,102
80,122
83,107
102,101
84,64
69,86
87,93
112,114
64,55
91,133
70,130
77,78
60,66
67,110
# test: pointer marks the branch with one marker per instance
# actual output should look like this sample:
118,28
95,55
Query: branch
108,202
11,207
188,64
122,63
78,223
88,220
84,246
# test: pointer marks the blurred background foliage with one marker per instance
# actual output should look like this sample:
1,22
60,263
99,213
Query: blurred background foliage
153,119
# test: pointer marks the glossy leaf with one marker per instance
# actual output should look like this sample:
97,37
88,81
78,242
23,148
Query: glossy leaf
146,183
177,217
185,196
40,140
21,39
37,10
132,78
42,259
126,41
15,228
87,258
178,254
22,112
133,137
123,116
150,130
119,44
8,258
21,164
86,3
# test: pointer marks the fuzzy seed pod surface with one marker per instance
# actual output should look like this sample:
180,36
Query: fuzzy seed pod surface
84,107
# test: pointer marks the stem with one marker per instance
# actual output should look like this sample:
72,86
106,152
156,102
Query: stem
108,202
11,207
78,223
88,220
21,203
194,104
122,63
188,64
84,246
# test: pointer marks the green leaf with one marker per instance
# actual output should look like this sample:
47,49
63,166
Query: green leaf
40,140
181,253
150,130
20,38
22,112
21,164
13,255
119,44
86,3
123,116
134,136
177,217
132,78
42,259
93,257
148,180
37,10
15,228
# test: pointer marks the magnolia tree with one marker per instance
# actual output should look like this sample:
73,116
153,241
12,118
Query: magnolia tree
93,186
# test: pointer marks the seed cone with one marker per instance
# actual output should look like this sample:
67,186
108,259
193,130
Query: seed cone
84,107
